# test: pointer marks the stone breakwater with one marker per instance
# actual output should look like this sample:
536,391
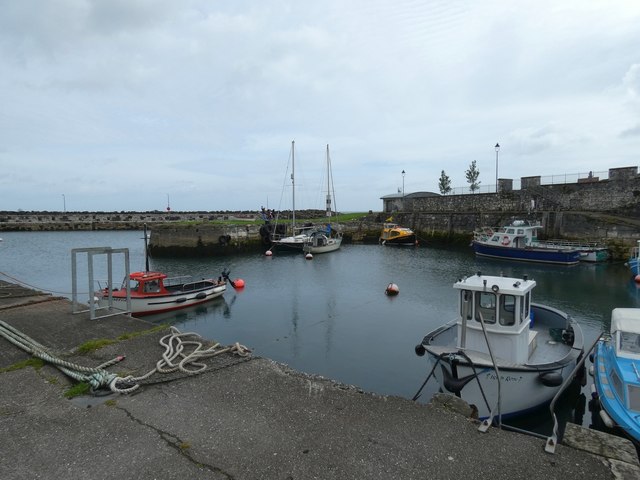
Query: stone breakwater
224,233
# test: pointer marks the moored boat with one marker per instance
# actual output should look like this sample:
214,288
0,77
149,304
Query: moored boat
298,235
616,373
155,292
634,262
394,234
324,240
518,241
500,333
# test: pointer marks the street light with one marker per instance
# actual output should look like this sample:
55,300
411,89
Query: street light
64,203
403,183
497,150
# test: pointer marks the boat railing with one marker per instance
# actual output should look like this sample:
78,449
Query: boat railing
572,244
178,280
552,441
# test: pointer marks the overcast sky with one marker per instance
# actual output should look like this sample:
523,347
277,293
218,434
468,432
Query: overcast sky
131,104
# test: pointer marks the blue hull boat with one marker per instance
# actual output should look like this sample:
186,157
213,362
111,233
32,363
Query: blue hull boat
518,241
616,373
528,254
634,262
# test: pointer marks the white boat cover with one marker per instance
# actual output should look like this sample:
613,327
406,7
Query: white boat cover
625,320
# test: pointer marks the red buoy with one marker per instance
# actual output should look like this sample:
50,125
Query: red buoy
238,283
392,289
637,278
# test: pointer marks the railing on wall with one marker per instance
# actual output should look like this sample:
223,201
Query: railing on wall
544,180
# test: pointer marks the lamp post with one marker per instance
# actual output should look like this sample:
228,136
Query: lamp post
497,150
64,203
403,172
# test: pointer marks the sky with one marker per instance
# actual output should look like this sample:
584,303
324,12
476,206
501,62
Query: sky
137,105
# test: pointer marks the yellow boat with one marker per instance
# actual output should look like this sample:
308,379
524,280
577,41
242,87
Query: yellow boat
393,234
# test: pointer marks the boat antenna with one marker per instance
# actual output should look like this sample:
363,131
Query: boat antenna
146,250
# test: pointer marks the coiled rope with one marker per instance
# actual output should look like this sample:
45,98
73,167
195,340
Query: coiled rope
174,358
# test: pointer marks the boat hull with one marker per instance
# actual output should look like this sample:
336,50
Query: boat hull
524,386
541,255
332,245
407,240
521,389
607,365
152,304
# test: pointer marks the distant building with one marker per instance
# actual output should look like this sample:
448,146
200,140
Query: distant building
396,202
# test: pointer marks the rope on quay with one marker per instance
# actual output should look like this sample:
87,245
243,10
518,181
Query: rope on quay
173,359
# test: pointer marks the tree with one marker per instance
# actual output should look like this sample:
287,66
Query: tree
472,175
444,184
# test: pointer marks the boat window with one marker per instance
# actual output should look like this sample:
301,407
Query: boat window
617,384
507,310
527,305
520,231
466,304
510,230
486,304
629,342
495,238
152,286
634,398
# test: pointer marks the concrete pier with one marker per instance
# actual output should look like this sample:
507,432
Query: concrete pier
242,418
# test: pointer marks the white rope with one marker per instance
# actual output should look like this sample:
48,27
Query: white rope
182,352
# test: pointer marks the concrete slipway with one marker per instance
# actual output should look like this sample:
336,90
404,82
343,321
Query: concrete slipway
242,418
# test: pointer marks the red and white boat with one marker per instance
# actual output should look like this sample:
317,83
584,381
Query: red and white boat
155,292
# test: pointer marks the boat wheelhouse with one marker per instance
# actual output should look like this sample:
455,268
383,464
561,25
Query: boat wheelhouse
503,353
617,372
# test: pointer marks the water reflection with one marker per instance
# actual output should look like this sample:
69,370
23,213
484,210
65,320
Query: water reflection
330,316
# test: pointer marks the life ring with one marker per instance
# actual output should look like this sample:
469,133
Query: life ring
506,240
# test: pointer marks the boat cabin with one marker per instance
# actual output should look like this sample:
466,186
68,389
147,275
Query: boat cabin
518,235
625,331
146,282
504,304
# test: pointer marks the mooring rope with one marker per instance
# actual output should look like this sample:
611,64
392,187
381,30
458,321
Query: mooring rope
174,358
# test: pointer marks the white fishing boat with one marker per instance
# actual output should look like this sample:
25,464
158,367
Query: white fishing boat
499,333
326,239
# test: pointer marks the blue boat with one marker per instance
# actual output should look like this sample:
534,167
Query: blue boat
519,241
616,373
634,262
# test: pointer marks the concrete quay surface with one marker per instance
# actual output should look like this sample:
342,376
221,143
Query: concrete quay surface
242,418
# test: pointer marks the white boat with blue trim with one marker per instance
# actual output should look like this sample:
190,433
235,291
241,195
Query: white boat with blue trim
499,333
616,373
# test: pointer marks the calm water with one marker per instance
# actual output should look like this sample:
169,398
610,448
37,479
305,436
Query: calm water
327,316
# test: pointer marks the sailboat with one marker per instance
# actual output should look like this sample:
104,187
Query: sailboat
325,239
298,235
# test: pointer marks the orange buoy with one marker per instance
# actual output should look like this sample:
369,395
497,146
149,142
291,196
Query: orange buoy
268,253
238,283
392,289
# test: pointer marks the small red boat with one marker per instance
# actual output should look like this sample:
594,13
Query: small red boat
154,292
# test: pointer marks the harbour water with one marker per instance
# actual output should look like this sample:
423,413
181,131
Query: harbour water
329,316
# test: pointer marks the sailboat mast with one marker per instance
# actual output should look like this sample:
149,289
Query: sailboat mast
293,186
328,204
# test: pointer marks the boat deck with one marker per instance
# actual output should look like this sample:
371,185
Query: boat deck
549,348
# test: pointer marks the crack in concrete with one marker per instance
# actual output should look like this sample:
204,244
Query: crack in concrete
175,442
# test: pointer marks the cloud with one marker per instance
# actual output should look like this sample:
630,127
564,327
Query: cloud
201,100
